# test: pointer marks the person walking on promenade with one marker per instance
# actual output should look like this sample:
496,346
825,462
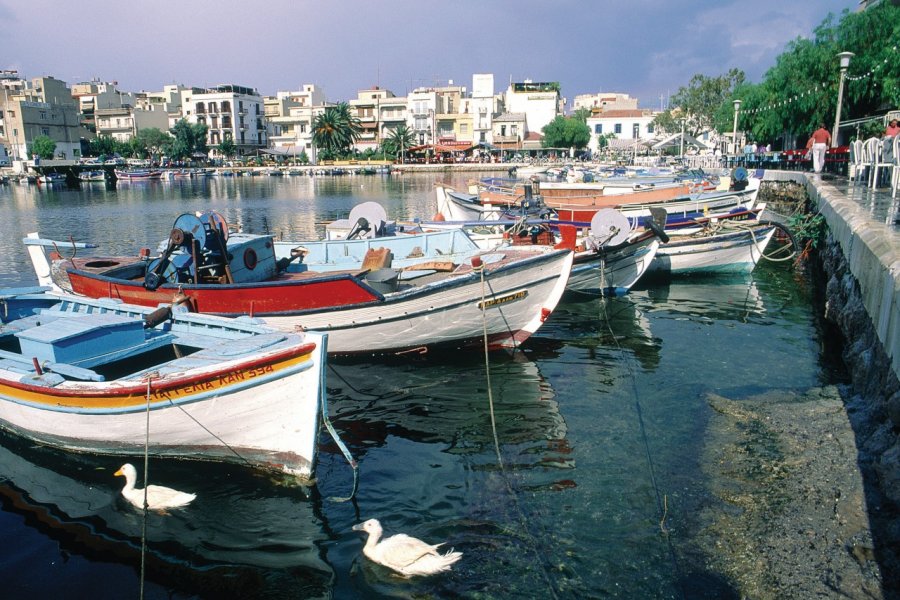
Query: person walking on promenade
821,139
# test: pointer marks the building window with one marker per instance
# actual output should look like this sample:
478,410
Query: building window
464,128
226,106
650,128
598,128
43,116
635,131
45,131
617,128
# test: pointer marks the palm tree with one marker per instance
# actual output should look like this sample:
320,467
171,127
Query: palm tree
335,130
399,140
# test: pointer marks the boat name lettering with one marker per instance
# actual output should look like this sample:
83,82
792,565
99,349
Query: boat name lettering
497,300
202,386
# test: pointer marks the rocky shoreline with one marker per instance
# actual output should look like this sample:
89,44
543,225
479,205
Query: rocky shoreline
806,486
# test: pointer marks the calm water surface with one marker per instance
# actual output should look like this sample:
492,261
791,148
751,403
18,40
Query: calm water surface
600,421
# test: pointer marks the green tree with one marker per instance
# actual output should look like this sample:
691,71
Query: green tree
335,131
43,146
189,139
103,146
566,132
398,141
699,102
154,141
582,114
227,148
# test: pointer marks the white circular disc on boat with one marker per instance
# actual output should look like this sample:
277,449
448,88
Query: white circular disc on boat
610,227
372,212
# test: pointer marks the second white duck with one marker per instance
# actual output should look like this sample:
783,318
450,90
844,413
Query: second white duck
158,497
404,554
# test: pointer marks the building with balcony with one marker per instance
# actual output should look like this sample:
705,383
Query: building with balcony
367,107
230,112
92,96
42,106
540,102
124,123
168,100
509,131
289,119
481,106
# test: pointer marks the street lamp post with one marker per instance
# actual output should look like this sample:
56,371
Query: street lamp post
845,62
682,139
734,131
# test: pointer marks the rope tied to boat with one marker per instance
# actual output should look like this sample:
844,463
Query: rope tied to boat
146,508
323,397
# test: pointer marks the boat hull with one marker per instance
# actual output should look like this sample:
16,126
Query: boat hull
612,271
252,400
517,298
734,252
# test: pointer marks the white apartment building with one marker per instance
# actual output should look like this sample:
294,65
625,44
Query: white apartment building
540,102
230,111
482,105
289,118
622,124
168,101
367,108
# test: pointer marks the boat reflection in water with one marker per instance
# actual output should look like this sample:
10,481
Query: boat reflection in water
242,536
446,403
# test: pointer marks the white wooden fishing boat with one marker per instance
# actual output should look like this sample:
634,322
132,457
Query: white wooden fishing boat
720,247
85,375
507,292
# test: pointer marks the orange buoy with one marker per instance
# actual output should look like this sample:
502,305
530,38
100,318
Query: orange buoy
437,217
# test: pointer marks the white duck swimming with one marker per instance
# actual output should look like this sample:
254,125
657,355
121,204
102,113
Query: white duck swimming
406,555
158,497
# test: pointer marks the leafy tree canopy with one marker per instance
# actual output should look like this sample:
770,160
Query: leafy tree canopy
398,141
43,146
335,131
566,132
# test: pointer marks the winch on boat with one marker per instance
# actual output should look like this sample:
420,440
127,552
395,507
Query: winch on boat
201,250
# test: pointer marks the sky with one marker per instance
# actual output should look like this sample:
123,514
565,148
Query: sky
645,48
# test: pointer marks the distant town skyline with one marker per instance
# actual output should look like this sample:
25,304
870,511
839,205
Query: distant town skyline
645,48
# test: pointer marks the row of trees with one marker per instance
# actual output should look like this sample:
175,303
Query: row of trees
800,90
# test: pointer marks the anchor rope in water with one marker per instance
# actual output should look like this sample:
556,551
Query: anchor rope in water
662,504
509,488
334,434
146,480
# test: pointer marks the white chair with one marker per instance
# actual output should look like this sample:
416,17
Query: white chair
895,166
879,159
858,163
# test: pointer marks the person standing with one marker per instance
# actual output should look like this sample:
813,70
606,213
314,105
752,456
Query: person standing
892,129
821,139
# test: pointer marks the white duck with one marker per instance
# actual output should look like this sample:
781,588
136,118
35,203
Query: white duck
158,497
406,555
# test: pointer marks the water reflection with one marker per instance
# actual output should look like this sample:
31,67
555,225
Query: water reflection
242,535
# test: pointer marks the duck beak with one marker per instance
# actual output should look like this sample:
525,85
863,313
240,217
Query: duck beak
119,472
357,527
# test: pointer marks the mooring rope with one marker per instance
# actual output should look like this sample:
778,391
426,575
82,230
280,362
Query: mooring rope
662,504
334,434
487,367
146,480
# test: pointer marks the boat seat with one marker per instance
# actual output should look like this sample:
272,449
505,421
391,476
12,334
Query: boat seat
377,258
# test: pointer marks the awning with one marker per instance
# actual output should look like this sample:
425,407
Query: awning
284,151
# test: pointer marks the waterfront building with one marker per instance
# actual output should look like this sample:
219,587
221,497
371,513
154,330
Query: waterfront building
540,102
391,114
482,105
509,131
367,108
42,106
289,118
92,96
600,102
168,101
630,124
123,123
231,112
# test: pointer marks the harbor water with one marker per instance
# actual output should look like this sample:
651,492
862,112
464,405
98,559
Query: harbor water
595,482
